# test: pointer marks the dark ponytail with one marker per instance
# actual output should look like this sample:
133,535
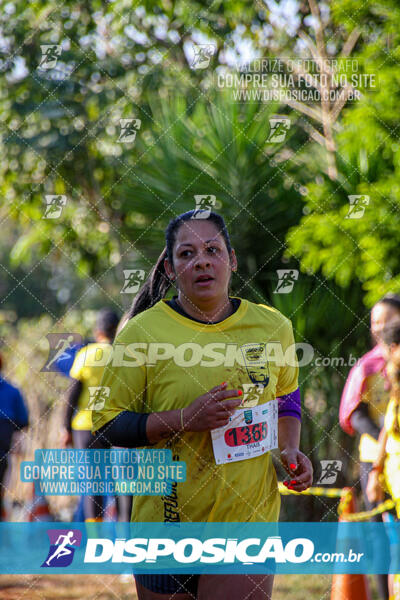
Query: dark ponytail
154,288
158,283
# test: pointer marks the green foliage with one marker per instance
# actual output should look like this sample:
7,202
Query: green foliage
368,154
217,148
60,136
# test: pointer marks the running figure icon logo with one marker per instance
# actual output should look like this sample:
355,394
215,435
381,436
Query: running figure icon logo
60,347
287,279
63,543
50,54
202,55
133,279
330,469
98,396
129,128
204,205
279,125
357,204
54,206
251,395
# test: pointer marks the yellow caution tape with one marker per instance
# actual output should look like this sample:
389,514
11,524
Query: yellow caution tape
367,514
345,495
313,491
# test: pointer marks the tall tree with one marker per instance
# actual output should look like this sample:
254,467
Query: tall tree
351,225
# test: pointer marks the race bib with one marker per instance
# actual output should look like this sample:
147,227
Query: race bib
249,433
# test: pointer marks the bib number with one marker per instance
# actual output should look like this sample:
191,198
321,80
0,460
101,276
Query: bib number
249,433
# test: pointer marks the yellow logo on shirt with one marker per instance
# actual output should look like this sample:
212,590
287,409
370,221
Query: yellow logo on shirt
255,360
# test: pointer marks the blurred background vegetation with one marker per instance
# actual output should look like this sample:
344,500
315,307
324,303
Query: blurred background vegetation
284,204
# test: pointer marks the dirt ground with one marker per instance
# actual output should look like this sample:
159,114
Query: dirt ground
112,587
66,587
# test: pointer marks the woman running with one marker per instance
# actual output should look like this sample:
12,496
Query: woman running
190,364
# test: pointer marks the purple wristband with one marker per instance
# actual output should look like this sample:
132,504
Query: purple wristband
290,405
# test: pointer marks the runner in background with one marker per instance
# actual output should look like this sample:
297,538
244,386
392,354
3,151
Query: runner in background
13,418
85,392
365,398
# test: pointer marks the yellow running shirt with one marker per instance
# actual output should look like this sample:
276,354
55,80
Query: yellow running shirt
392,460
377,398
163,360
88,368
393,438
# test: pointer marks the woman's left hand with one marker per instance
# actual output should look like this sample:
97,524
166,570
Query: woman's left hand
299,468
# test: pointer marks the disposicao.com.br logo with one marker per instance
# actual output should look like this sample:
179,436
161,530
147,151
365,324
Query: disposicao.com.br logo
193,550
213,551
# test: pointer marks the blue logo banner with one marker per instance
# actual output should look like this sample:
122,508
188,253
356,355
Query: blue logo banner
322,548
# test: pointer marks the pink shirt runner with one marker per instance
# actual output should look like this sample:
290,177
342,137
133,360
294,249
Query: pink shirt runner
372,362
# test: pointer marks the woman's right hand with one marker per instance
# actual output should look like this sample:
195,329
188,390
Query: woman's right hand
212,409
